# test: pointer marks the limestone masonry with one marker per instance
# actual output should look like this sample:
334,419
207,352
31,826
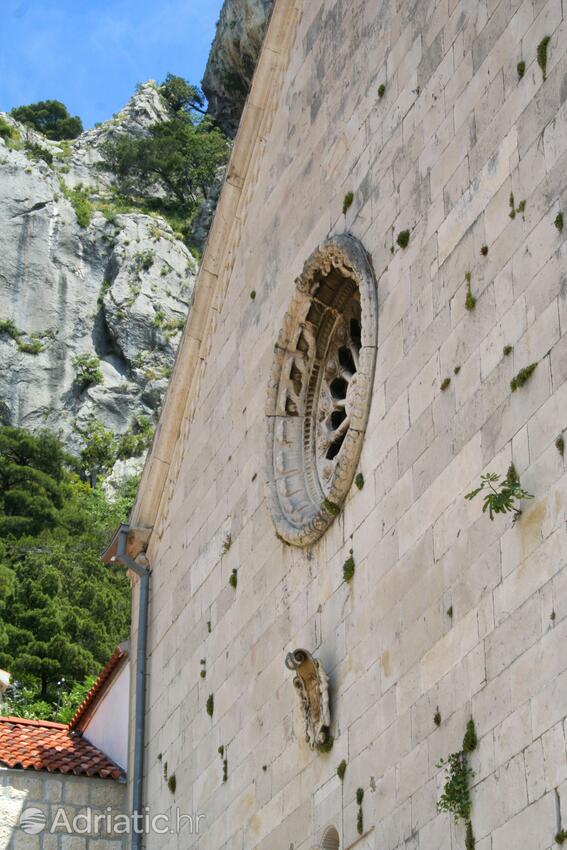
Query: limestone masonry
434,134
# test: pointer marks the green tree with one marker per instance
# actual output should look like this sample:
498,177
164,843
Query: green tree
179,157
87,371
50,117
31,472
99,452
181,95
63,611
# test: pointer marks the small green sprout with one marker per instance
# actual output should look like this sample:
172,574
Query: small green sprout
341,770
331,507
512,203
347,202
172,783
522,377
507,350
360,821
381,90
484,250
456,370
403,238
359,480
560,445
561,836
469,837
445,384
221,750
470,300
470,740
210,706
559,221
359,796
349,568
253,294
437,717
233,580
542,55
521,68
450,611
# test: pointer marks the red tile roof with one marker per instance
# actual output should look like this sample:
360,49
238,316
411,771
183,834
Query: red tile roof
43,745
118,657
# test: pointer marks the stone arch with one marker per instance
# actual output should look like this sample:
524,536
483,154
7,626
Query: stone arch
330,839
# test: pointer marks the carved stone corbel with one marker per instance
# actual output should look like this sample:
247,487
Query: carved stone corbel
312,686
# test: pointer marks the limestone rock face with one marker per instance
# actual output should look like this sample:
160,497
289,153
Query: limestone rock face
118,289
234,53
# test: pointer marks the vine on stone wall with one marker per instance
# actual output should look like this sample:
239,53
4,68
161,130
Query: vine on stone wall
456,797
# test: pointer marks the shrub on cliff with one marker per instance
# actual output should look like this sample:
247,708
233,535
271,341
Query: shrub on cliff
50,117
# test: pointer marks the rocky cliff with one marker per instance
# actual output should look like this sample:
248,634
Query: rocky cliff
92,303
82,288
234,53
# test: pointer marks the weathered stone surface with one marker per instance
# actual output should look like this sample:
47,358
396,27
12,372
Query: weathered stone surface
446,608
234,53
118,288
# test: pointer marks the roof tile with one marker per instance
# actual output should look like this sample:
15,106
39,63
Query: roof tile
44,745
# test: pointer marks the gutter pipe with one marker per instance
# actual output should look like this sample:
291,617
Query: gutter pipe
140,703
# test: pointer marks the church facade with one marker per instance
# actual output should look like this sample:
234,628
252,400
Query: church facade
343,649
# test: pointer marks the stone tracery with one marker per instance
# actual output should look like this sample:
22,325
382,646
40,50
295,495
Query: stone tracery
320,389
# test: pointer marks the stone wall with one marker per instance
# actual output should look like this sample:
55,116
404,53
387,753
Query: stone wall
447,610
22,790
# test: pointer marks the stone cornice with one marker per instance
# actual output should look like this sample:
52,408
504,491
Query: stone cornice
210,286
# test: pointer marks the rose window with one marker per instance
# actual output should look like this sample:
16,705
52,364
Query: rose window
320,390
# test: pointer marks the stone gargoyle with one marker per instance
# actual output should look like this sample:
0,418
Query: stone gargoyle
312,685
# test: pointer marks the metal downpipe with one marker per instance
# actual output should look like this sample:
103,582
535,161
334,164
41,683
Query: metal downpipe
140,699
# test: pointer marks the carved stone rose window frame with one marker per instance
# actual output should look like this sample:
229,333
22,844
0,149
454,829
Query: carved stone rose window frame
320,389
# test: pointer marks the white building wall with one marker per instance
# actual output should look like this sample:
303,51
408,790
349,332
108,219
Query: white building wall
107,727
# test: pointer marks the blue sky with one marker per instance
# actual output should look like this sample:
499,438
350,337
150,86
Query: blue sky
91,53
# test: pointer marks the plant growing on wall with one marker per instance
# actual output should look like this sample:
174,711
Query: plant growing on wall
360,815
522,377
500,496
341,770
456,797
470,300
542,55
348,568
